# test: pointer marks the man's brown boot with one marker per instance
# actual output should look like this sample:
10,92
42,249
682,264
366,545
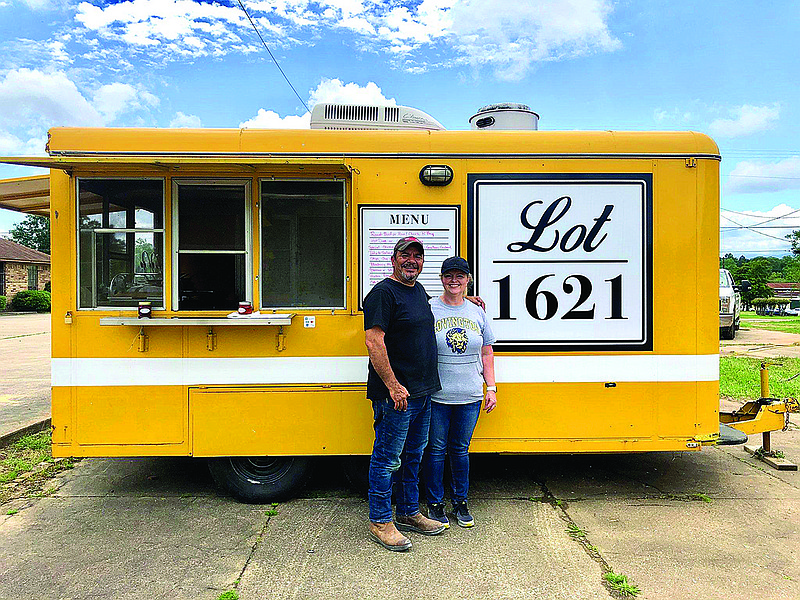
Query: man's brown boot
386,535
419,524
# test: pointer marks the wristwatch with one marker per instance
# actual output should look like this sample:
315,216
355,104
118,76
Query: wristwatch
491,388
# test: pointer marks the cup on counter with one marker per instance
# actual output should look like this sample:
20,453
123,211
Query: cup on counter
145,310
245,308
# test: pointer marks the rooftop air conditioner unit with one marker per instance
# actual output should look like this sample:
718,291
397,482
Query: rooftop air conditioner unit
351,116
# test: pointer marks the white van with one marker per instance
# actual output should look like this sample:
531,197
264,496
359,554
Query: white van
730,306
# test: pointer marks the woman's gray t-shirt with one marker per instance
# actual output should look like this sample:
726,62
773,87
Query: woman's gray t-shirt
461,332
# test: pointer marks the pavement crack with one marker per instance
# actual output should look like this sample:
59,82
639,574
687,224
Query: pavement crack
579,535
250,556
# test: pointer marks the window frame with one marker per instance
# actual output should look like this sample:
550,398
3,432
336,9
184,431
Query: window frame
345,205
33,269
247,183
162,231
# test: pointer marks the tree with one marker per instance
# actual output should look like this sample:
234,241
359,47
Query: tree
756,271
33,232
794,237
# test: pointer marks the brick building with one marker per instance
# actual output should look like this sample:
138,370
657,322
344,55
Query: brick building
21,268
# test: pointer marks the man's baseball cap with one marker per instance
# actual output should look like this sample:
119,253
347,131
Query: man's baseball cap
403,244
455,263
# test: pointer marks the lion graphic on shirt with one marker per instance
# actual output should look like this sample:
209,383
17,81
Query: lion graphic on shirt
457,339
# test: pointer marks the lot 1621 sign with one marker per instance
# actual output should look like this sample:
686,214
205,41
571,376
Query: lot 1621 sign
564,261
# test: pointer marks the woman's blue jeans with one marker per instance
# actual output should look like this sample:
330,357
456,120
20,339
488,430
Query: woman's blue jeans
452,426
400,440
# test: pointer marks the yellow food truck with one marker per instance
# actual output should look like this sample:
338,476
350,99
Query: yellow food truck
596,254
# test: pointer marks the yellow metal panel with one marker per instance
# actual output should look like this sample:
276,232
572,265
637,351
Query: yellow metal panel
62,262
131,415
61,421
319,141
277,421
570,411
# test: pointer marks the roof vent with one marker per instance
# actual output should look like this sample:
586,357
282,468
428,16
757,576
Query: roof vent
349,116
506,116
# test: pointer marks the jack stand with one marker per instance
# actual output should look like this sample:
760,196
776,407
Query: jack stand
765,452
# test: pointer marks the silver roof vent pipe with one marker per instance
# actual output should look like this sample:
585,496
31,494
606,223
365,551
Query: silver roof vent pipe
505,116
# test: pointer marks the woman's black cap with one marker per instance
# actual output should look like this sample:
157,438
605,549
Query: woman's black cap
455,263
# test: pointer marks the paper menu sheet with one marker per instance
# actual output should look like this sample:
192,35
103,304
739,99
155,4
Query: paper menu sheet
381,227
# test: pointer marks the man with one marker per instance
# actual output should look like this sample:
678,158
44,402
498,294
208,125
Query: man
402,376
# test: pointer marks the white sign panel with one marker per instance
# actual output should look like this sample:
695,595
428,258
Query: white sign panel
381,226
564,261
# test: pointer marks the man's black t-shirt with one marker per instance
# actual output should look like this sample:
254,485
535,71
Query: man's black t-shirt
404,315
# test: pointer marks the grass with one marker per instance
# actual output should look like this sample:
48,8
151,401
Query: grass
575,532
751,320
739,377
229,595
702,497
23,455
619,583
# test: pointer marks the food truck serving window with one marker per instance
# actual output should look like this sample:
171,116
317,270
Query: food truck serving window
212,236
302,244
121,242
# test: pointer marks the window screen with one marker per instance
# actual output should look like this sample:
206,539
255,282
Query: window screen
121,240
302,244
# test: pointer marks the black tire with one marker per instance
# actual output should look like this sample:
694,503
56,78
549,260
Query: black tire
260,479
728,333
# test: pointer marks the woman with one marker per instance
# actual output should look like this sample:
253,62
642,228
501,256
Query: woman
464,341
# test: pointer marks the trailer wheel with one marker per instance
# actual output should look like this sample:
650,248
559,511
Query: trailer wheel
260,479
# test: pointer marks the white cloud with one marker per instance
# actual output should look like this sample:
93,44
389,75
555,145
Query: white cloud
179,27
11,145
513,36
181,120
269,119
49,99
508,36
328,90
32,101
735,238
38,4
754,176
333,90
747,119
113,99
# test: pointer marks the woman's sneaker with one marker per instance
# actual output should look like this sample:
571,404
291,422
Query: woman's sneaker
436,512
462,514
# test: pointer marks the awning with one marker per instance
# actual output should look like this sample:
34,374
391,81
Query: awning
26,194
177,161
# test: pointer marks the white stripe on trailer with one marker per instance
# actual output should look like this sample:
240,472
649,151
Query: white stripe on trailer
66,372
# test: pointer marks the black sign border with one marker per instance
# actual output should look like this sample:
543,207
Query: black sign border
646,179
361,208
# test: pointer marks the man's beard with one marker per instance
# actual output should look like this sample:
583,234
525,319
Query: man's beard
404,277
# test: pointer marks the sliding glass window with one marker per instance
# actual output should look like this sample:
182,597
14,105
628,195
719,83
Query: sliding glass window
121,242
211,225
302,244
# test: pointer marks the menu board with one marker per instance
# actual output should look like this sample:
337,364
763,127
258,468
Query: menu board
381,226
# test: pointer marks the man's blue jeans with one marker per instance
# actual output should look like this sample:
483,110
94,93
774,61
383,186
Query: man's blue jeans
400,439
451,432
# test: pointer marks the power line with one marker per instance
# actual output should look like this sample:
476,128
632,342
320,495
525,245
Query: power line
249,18
754,230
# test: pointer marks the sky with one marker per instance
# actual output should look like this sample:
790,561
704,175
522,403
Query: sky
727,68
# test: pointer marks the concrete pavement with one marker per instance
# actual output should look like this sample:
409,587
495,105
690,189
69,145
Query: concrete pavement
24,370
141,528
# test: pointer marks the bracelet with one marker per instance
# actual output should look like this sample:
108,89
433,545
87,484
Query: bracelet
491,388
